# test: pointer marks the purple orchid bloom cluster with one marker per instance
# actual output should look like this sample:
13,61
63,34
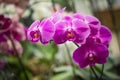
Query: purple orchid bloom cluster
87,31
11,28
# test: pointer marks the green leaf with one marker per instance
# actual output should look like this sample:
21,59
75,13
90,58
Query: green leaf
28,49
62,76
112,76
83,73
49,51
63,68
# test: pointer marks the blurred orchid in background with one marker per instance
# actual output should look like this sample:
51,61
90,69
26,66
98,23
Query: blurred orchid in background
11,28
4,24
19,3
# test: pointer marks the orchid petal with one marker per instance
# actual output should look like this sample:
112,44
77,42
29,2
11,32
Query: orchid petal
105,35
60,36
82,30
47,31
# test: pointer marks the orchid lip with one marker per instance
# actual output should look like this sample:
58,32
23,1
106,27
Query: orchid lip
70,35
35,34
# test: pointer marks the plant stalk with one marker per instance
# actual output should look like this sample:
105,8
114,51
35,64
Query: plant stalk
94,72
71,62
19,60
101,72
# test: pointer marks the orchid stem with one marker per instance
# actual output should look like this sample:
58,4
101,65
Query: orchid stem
73,6
94,72
71,62
19,60
76,44
101,72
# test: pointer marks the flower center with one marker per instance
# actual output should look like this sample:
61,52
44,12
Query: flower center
91,57
70,34
36,34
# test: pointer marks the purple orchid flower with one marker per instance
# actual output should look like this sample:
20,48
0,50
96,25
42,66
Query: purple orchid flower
69,29
33,32
95,50
18,31
4,24
42,31
11,50
4,27
92,21
104,36
7,47
15,30
96,29
90,54
3,38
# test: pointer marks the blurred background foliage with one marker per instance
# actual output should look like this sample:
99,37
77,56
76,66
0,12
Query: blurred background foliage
51,62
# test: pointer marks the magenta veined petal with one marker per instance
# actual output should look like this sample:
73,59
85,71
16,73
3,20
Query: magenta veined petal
47,30
94,30
88,19
34,24
33,33
68,20
84,63
94,25
59,36
79,16
101,51
57,16
92,20
79,54
105,35
82,30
